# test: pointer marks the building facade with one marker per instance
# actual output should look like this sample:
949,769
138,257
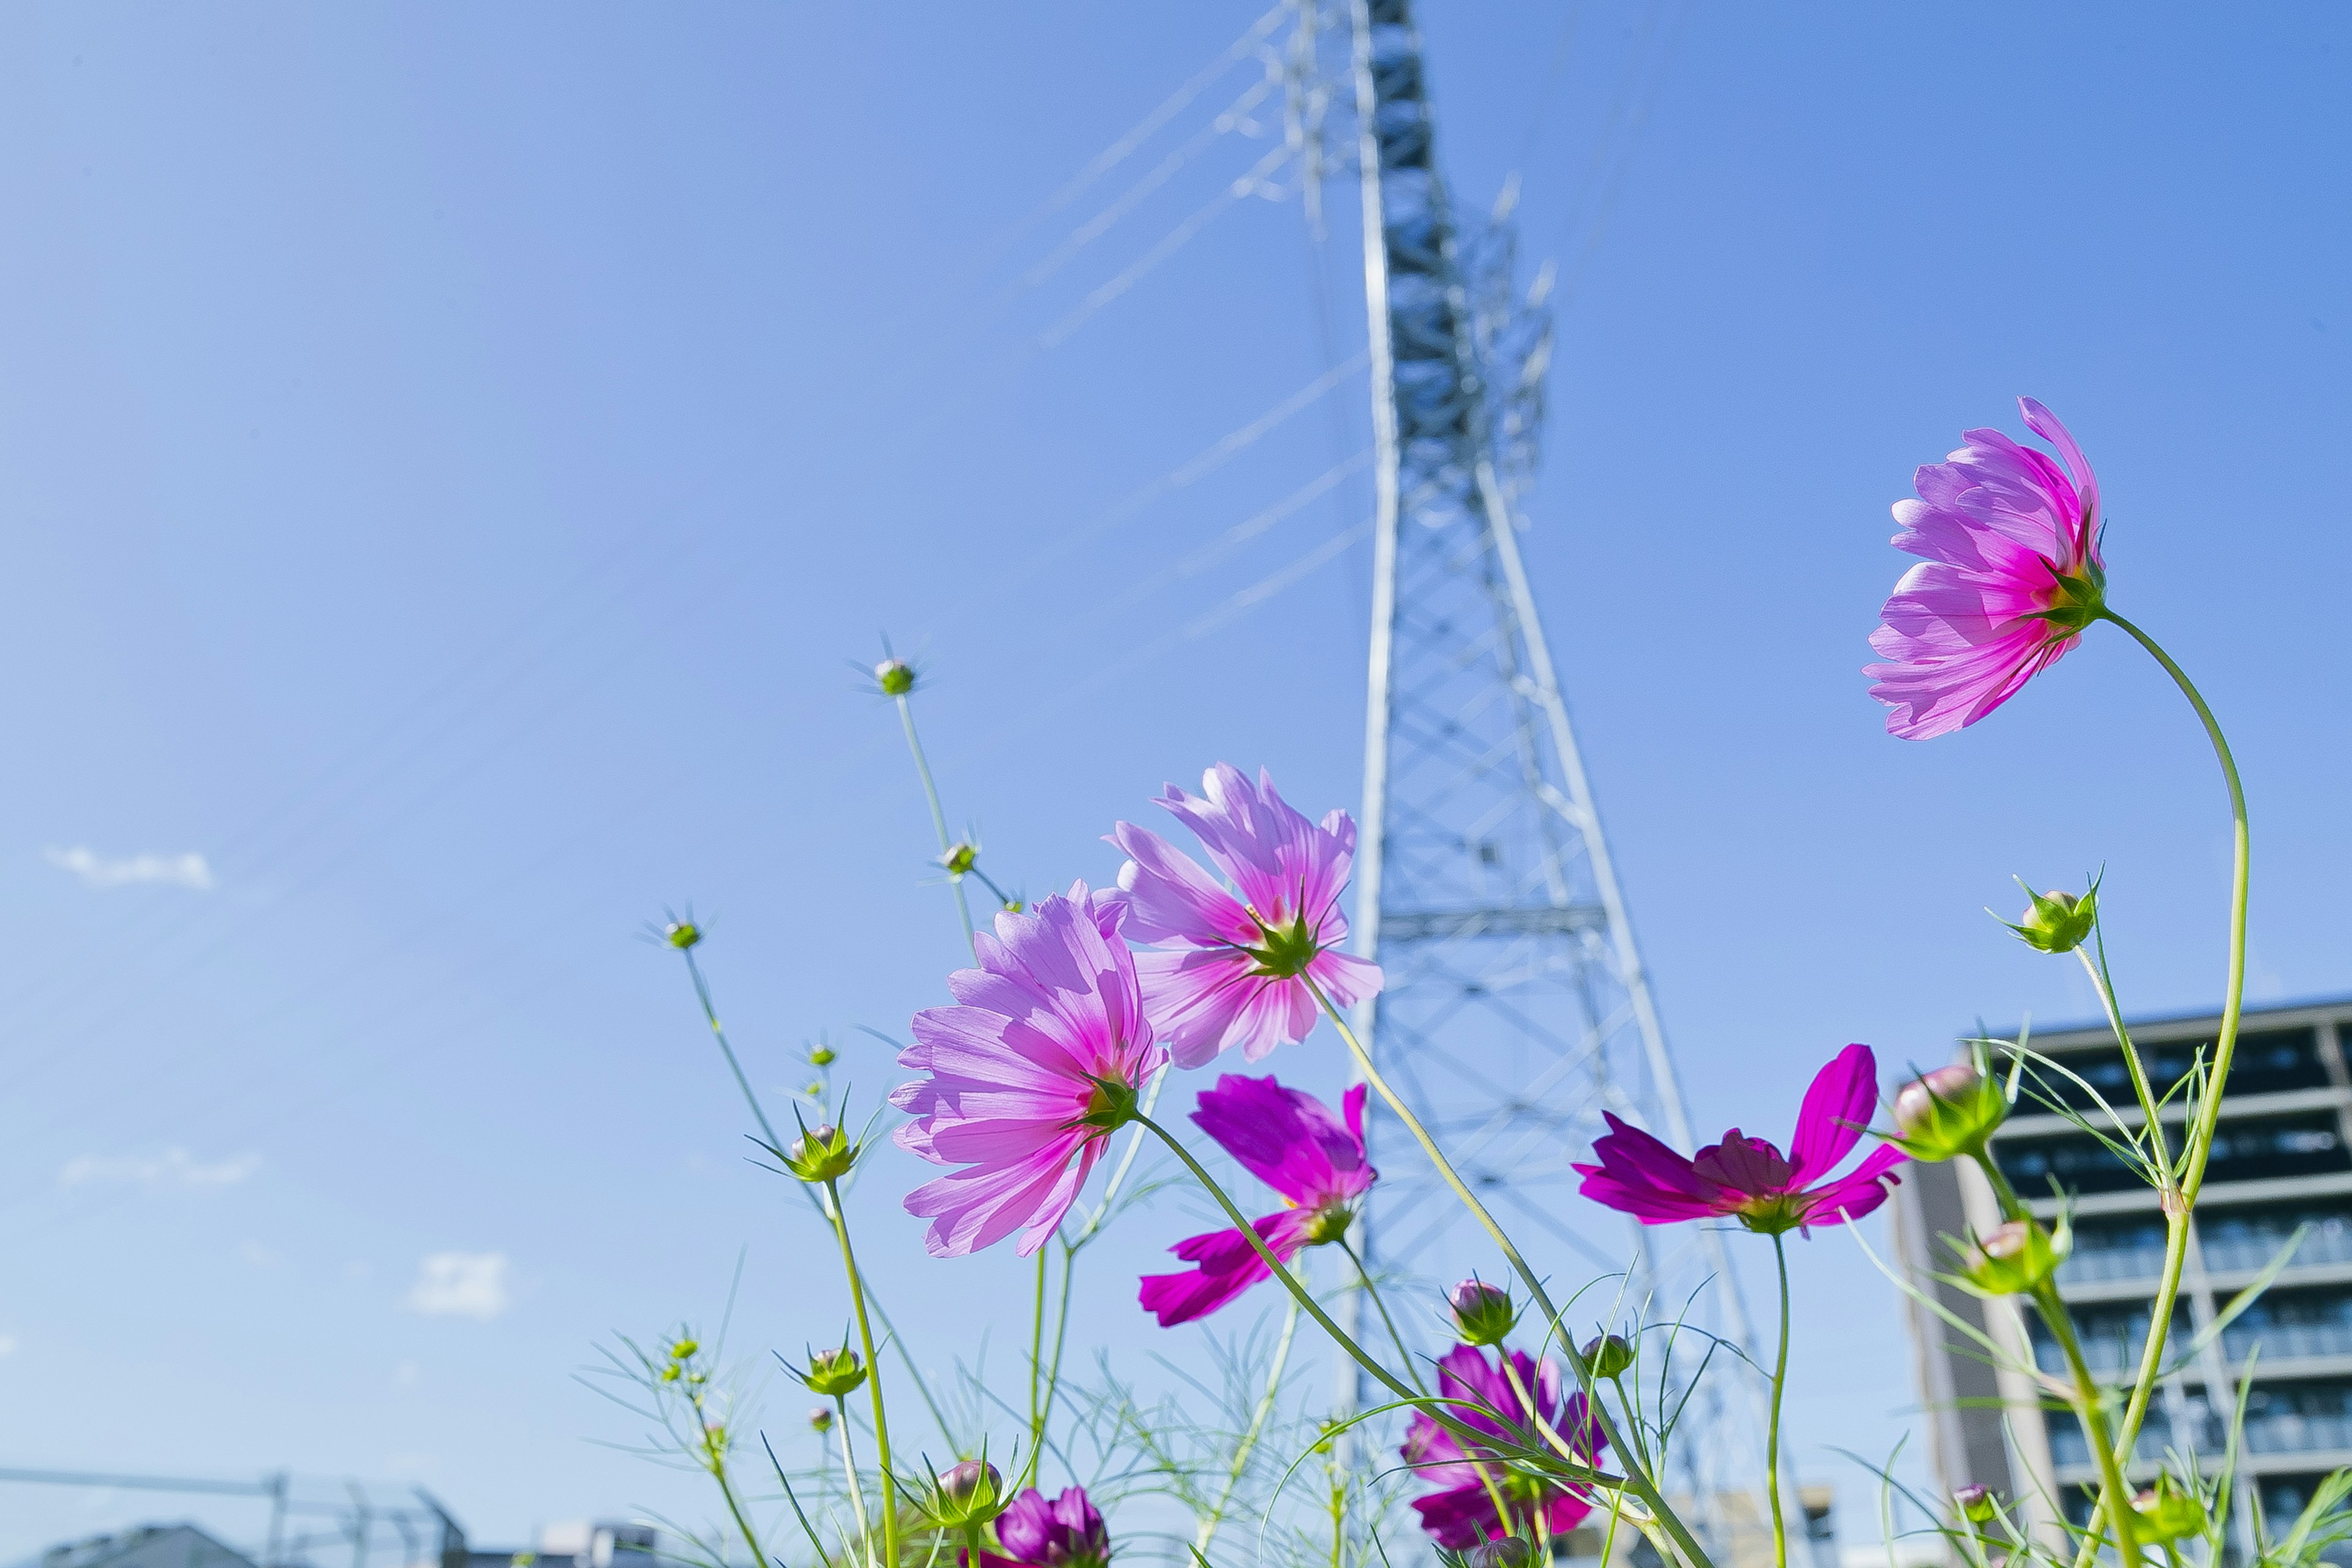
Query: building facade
2281,1160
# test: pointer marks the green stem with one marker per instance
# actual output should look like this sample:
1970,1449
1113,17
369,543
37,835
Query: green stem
2115,1493
939,817
1641,1485
711,1014
715,1461
1364,1282
1208,1530
1036,1360
873,1379
1435,1410
849,1473
2197,1141
2176,1218
1772,1427
2104,983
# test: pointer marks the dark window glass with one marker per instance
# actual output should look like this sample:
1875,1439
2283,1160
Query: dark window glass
2285,1325
2305,1145
2267,1062
2235,1240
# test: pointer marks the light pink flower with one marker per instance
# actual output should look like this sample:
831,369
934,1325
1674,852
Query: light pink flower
1746,1178
1233,971
1292,1142
1461,1513
1039,1063
2011,575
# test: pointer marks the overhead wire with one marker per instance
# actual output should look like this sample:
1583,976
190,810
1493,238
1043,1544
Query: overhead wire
463,681
1173,241
279,825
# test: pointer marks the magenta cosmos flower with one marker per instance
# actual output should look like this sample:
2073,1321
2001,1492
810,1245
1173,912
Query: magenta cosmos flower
2011,575
1461,1513
1749,1179
1293,1144
1233,970
1037,1065
1066,1532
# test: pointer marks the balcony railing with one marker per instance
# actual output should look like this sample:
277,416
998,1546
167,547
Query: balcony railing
2287,1341
2089,1265
2234,1249
2293,1433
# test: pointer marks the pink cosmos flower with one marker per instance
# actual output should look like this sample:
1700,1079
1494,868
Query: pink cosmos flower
1233,971
1066,1532
1461,1513
1293,1144
2011,575
1748,1178
1037,1066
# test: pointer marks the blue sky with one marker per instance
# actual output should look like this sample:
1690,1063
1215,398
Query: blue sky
451,454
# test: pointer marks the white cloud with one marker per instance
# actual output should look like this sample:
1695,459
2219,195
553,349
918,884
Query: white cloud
172,1168
461,1285
188,870
7,1344
258,1255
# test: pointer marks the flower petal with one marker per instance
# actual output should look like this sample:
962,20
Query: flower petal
1837,1107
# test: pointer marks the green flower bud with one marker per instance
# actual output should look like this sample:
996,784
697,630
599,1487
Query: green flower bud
669,1373
2057,922
822,1057
681,934
820,1417
1482,1313
896,677
1977,1504
1329,1223
1948,1112
960,858
1609,1355
968,1494
2167,1513
835,1374
1511,1551
821,1153
684,1350
2013,1259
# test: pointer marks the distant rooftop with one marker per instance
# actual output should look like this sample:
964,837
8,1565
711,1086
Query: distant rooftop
148,1546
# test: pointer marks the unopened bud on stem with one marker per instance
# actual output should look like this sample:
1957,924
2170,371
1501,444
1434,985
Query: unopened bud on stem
2055,921
1482,1313
1609,1355
821,1153
1977,1504
1511,1551
2012,1258
2169,1514
896,677
1949,1111
835,1374
968,1494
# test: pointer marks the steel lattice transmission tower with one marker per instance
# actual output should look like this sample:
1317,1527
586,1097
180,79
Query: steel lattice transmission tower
1516,1010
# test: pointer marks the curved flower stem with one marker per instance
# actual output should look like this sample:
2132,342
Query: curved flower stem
939,817
873,1379
1641,1485
1436,1410
2197,1147
1364,1280
1248,1445
1772,1427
